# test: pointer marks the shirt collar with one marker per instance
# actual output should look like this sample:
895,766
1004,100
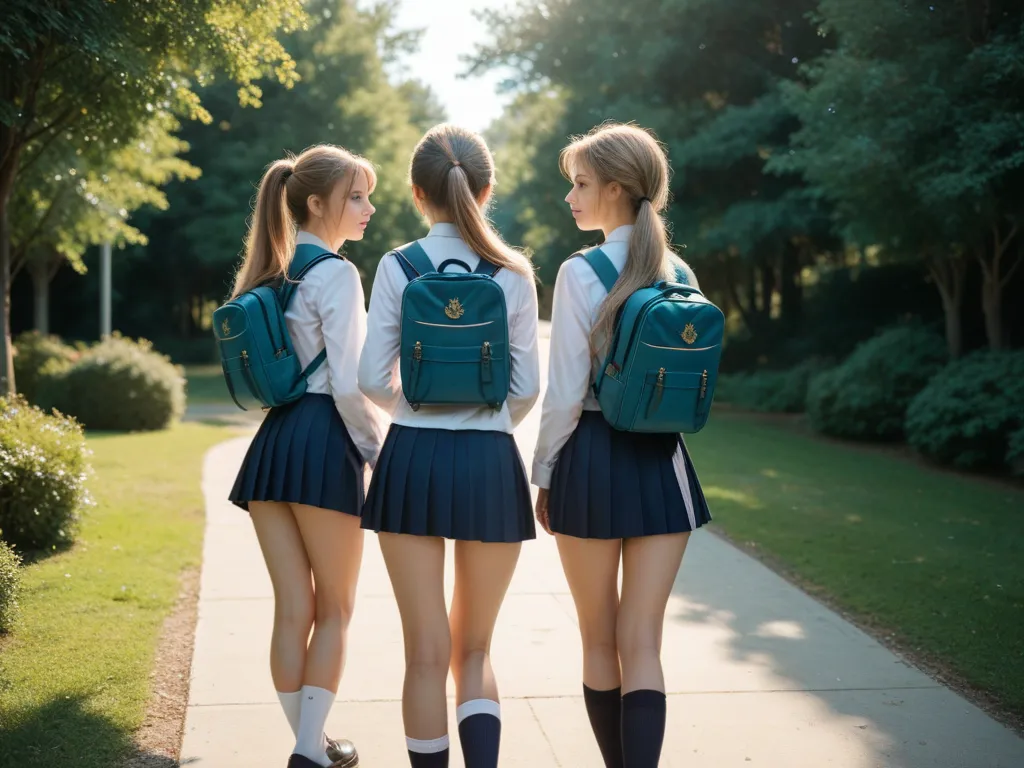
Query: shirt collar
620,234
444,229
308,238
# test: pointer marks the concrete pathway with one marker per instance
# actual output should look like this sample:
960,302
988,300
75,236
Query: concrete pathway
758,673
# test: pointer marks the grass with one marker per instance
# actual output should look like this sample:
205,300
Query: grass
933,557
206,385
74,676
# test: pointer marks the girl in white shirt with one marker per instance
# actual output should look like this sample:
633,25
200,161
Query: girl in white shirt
303,478
448,472
609,495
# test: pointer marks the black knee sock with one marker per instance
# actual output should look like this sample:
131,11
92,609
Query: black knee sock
428,754
605,711
480,732
643,728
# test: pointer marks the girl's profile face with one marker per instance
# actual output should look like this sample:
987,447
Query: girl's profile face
348,211
584,198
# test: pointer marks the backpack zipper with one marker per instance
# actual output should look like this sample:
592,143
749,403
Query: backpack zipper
266,317
659,390
703,384
417,358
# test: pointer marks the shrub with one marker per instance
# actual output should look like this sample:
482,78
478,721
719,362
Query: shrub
42,476
36,356
10,586
969,411
1015,452
867,396
768,391
119,384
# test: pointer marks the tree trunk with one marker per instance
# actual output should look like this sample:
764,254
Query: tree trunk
791,291
948,273
43,269
6,345
994,280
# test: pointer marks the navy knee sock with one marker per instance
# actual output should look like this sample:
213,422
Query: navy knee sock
480,732
643,728
604,708
431,753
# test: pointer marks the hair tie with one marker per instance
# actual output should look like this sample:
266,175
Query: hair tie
456,163
287,172
643,200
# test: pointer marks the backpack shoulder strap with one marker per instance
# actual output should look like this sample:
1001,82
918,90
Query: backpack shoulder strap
414,260
602,265
486,268
306,257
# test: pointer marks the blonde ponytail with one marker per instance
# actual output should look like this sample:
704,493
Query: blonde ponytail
281,207
633,158
453,167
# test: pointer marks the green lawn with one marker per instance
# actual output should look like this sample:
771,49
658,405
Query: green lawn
206,385
74,675
935,557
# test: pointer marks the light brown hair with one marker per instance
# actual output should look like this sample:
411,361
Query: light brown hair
633,158
453,167
281,207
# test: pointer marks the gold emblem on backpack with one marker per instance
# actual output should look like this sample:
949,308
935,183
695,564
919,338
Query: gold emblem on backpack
689,333
225,329
454,309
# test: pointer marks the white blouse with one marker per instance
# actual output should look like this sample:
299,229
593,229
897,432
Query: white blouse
328,310
379,376
571,371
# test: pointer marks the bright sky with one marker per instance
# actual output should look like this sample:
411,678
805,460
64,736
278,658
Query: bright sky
452,31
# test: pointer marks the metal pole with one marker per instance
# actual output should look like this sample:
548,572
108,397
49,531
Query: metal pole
105,289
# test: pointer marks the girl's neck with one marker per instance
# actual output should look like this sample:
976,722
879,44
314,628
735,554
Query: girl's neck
317,229
614,223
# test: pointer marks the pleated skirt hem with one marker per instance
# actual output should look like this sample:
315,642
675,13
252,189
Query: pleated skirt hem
610,484
302,454
466,485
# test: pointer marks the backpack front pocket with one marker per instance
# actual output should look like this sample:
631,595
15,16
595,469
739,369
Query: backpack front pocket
448,375
671,401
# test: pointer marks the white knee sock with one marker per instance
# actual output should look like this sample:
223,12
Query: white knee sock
291,703
310,741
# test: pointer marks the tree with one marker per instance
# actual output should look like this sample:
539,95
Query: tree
344,96
704,77
59,211
913,127
93,72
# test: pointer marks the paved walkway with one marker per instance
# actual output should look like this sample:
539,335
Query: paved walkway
758,673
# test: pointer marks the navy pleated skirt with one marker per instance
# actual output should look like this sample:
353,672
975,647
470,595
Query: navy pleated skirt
302,454
610,484
467,485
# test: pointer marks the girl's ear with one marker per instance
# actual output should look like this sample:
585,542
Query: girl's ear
419,198
315,206
613,190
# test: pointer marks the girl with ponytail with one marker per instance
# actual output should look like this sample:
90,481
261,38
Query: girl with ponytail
611,496
451,472
302,480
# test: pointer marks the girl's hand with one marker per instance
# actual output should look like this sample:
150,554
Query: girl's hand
541,509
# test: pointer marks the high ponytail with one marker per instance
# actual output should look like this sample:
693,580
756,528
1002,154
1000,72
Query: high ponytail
281,207
453,167
268,247
633,158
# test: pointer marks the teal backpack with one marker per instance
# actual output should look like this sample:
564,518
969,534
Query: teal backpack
454,338
256,354
662,364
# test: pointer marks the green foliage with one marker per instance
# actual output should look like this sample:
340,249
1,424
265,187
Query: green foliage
37,356
10,587
1015,452
866,397
970,413
769,391
119,384
43,471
